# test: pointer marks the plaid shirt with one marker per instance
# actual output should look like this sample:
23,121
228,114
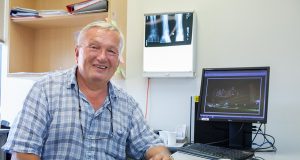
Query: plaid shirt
49,123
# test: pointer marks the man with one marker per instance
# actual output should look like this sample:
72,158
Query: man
79,114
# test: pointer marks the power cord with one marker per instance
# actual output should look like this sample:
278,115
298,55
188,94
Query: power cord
268,143
257,158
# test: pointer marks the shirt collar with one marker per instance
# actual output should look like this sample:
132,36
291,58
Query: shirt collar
72,83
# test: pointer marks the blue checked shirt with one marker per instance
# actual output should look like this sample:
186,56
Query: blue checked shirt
49,123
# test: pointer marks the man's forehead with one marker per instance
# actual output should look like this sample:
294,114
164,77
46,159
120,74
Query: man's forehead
99,34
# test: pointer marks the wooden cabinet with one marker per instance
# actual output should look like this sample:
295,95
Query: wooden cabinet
2,9
47,44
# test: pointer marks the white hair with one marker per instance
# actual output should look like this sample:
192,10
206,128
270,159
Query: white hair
106,26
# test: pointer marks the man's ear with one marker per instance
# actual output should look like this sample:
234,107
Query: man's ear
76,54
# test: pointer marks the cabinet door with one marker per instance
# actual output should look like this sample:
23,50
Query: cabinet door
118,13
2,11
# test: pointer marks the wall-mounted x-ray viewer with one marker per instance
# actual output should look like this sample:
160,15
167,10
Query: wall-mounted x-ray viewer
169,45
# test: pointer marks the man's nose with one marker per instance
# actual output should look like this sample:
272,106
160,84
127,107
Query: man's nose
101,54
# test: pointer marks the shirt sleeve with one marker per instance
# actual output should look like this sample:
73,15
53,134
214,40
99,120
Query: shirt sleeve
29,128
141,136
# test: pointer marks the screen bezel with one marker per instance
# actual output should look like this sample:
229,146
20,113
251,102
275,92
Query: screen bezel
231,118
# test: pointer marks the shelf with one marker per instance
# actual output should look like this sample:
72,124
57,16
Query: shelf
27,74
38,46
60,20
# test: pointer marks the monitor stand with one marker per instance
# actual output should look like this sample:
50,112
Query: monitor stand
240,135
225,134
214,133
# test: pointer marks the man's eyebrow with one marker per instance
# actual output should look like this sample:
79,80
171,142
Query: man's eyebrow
92,42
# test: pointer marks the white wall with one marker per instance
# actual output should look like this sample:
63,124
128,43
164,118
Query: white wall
13,95
230,33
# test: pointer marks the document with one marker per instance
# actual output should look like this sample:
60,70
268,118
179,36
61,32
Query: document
23,12
88,6
49,13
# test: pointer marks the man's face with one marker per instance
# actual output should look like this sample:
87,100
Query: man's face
97,54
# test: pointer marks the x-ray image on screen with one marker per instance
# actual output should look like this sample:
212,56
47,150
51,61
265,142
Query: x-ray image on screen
168,29
233,95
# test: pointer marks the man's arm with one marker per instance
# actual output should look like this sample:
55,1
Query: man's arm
24,156
158,153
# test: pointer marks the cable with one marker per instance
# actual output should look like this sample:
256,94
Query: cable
266,141
256,132
147,97
267,145
258,158
191,104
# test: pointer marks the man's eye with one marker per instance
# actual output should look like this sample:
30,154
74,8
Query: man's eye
94,47
112,52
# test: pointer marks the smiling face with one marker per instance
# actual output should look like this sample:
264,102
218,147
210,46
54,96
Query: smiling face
97,54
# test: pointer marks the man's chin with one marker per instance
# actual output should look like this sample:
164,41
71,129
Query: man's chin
101,78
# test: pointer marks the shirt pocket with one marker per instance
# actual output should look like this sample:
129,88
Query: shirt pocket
116,145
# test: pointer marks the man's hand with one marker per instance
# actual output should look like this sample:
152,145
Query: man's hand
158,153
24,156
162,156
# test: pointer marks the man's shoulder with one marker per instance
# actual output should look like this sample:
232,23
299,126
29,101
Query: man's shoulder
120,92
123,95
58,77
